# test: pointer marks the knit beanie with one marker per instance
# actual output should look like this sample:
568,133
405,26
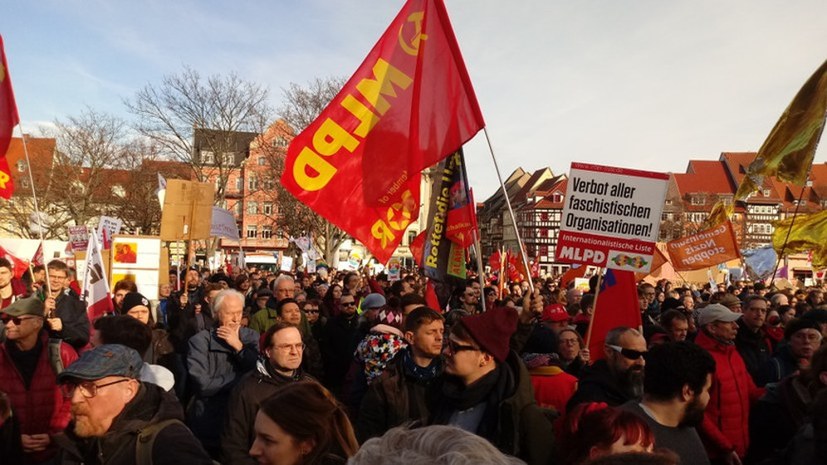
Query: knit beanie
492,330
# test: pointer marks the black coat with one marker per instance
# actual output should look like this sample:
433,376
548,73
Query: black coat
174,445
754,349
341,336
598,385
72,313
238,433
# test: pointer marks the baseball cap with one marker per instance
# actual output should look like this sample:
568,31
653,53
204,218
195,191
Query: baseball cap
102,361
373,301
554,312
716,312
27,306
729,300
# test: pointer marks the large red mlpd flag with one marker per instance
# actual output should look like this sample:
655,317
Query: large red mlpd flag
8,120
409,105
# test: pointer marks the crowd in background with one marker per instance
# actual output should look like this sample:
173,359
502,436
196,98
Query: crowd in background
254,366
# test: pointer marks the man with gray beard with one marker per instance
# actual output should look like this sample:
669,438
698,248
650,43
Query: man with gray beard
111,408
618,378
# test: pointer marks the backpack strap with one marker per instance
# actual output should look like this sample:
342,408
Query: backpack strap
146,439
55,359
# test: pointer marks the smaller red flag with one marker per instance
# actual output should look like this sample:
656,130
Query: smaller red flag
617,305
576,271
38,256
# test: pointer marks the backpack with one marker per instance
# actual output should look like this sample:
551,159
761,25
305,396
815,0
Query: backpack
146,440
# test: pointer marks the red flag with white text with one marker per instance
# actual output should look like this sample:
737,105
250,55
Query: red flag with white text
617,305
8,120
95,283
409,105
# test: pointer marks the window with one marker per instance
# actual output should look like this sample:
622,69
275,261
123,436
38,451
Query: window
239,184
237,209
268,184
252,182
207,157
228,159
280,141
268,208
252,208
21,166
544,216
696,200
766,192
261,161
252,231
411,236
557,197
266,232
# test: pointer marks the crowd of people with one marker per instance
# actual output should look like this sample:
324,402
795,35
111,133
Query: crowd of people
253,366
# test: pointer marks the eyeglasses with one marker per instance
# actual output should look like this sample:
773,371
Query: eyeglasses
56,278
455,348
291,347
87,390
631,354
17,320
348,304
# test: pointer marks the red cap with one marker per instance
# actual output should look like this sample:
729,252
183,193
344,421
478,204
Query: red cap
554,312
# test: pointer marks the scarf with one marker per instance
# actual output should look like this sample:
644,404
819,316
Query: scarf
420,374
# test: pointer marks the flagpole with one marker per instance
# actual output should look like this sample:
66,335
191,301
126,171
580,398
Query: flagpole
477,243
594,305
34,199
789,231
510,211
502,271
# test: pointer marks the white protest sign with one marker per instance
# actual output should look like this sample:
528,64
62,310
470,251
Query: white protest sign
286,263
611,217
107,228
223,224
394,269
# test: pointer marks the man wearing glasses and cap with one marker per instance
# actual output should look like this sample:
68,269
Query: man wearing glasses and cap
618,378
28,376
112,408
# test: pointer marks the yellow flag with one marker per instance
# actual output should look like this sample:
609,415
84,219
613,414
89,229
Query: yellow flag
809,232
720,213
789,149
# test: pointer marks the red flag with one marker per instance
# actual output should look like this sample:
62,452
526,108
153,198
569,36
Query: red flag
576,271
19,267
431,298
617,305
38,256
409,105
8,120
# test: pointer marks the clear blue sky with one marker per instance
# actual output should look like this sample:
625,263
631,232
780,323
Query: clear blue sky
642,84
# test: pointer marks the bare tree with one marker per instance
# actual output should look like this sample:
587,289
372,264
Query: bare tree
302,105
184,106
87,173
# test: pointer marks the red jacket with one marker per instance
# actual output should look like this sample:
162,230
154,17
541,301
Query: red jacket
41,408
725,426
553,387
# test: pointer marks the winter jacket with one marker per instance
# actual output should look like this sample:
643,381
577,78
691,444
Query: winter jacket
263,319
396,398
553,387
238,434
72,313
755,348
174,444
774,419
598,385
183,323
39,407
214,369
780,366
522,429
726,418
340,339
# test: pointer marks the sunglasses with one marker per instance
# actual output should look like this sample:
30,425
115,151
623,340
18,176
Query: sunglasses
631,354
17,320
456,348
348,304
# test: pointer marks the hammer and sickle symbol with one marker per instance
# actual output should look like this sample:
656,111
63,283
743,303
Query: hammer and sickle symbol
412,47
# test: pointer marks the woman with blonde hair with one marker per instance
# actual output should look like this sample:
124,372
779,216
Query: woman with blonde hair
303,424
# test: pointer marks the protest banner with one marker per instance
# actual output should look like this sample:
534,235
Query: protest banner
707,248
187,211
137,258
223,224
394,269
107,228
409,105
286,263
611,217
79,238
